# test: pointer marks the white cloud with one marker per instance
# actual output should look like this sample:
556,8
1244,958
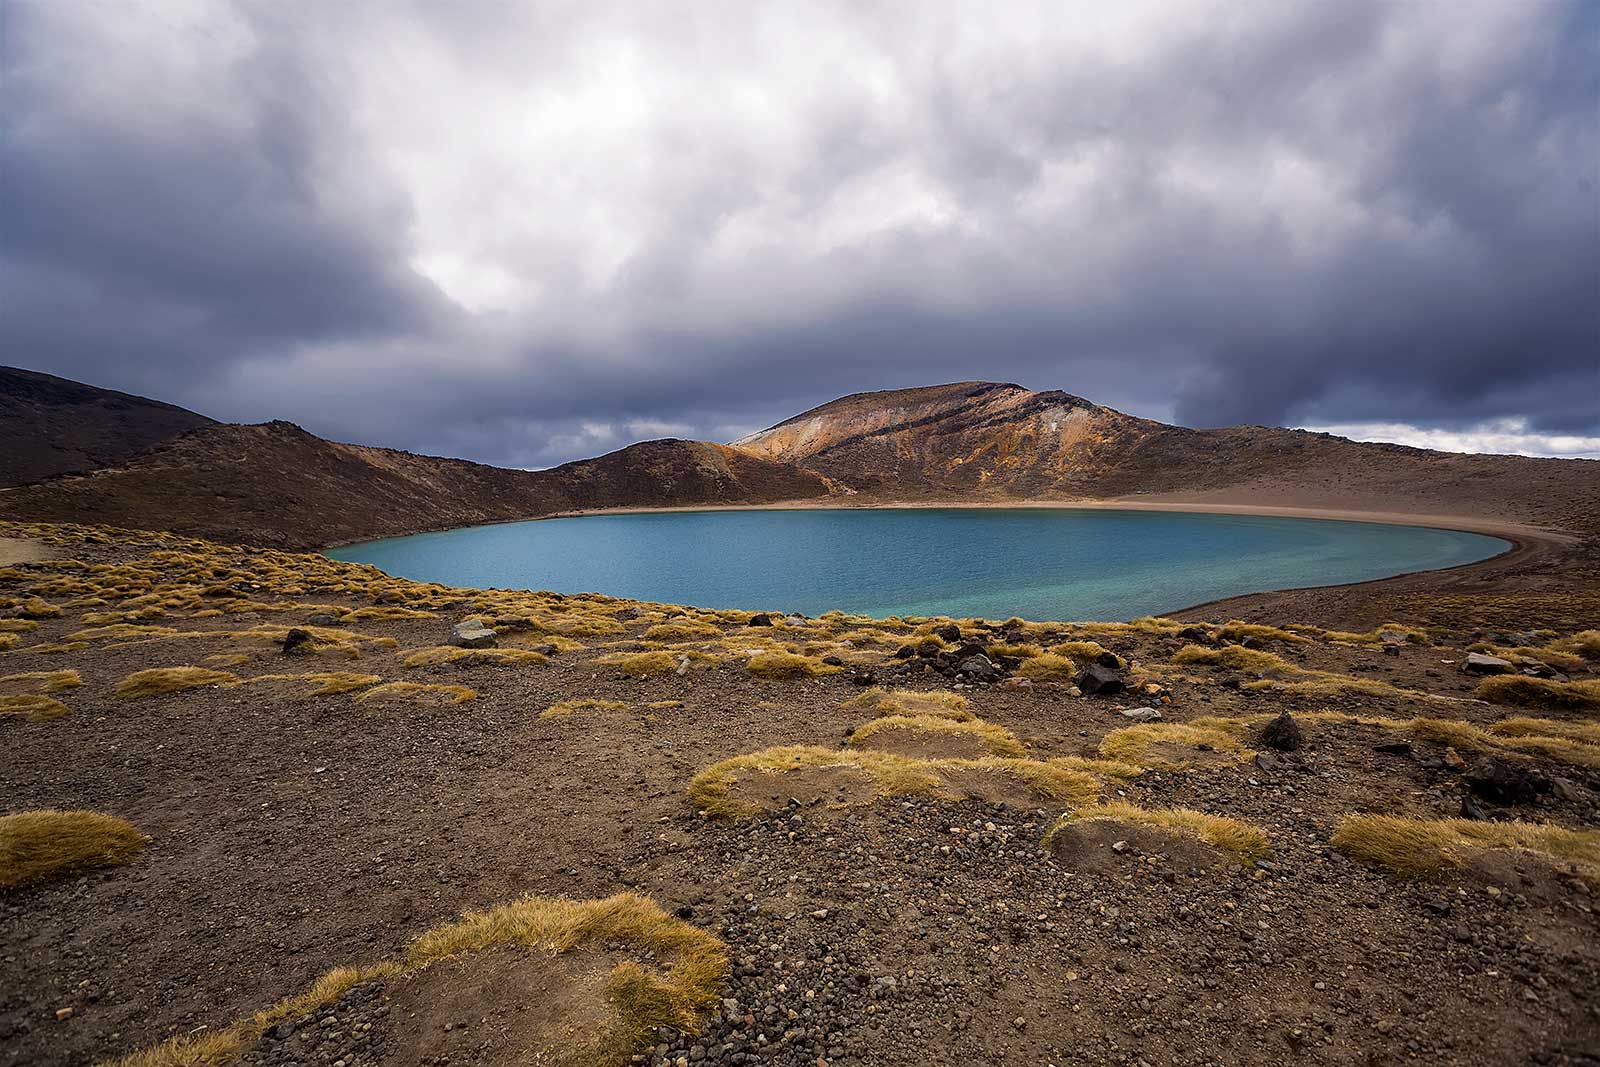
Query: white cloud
1497,436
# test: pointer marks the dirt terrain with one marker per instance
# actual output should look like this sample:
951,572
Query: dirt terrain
867,846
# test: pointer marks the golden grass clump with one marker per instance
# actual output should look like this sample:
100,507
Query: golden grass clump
565,709
1083,651
912,703
1244,842
1419,848
778,664
1251,660
1522,691
440,654
121,631
1013,651
320,683
1134,744
1585,643
1521,726
1239,631
1048,667
386,613
1146,625
9,641
1105,768
34,706
17,626
418,692
37,846
711,790
161,680
40,681
648,664
994,740
676,991
681,630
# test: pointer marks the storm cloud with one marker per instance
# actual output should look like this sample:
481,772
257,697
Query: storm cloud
523,233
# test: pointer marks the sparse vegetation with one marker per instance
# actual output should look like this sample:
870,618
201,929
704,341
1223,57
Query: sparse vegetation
1048,667
1239,631
440,654
40,681
418,693
640,999
775,664
158,681
320,683
35,707
994,740
912,703
38,846
565,709
1416,848
1240,840
1524,692
1163,744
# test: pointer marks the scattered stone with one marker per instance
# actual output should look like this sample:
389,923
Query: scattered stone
1140,714
1452,761
979,668
1394,748
323,619
1478,663
1282,733
62,1014
863,676
472,634
296,641
1503,782
1097,680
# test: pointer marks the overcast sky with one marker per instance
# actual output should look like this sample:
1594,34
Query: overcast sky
527,232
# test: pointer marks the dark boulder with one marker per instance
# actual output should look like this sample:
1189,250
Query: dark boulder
760,619
979,668
949,632
296,641
1282,733
1095,680
1503,782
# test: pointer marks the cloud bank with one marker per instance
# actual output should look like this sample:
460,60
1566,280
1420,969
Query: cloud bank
527,232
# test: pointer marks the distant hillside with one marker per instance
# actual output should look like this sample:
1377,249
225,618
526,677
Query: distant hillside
152,466
51,425
277,485
993,441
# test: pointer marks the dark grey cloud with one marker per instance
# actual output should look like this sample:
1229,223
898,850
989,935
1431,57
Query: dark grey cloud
523,233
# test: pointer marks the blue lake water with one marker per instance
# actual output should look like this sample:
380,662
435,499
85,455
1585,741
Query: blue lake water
1038,563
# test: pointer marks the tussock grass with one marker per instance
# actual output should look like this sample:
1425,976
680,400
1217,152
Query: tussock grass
34,608
320,683
38,846
1133,744
1146,625
418,692
1420,848
1525,692
440,654
34,706
17,626
911,703
40,681
711,790
1244,842
1083,651
1520,726
995,740
776,664
1105,768
157,681
1415,635
647,664
1524,657
121,631
1251,660
57,648
677,996
681,630
1585,643
566,708
9,641
386,613
1238,631
1013,651
1048,667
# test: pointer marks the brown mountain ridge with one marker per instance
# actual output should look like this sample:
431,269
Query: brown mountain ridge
146,465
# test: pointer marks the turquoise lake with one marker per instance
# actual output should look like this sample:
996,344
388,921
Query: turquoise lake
1038,563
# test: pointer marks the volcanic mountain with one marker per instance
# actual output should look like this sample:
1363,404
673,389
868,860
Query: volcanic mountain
145,465
51,425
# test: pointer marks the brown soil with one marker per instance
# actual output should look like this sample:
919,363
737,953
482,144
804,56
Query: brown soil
292,834
1089,847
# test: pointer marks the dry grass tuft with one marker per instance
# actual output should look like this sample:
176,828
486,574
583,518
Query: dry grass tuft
436,655
692,965
321,683
912,703
386,613
9,641
1048,667
17,626
681,630
1238,631
1240,840
778,664
1251,660
34,706
712,789
1587,733
1105,768
1585,643
1135,744
37,846
418,693
1418,848
995,740
1525,692
565,709
40,681
160,680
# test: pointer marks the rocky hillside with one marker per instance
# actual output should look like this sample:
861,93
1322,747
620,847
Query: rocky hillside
51,426
998,441
276,484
